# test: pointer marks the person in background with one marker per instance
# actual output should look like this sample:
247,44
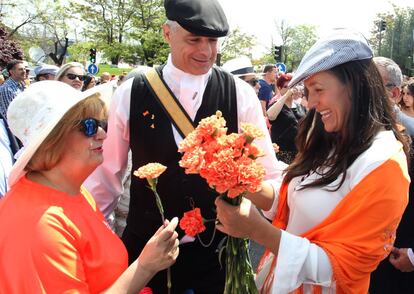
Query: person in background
1,79
89,82
192,30
392,78
53,238
284,116
388,278
45,72
336,214
266,86
407,100
73,74
121,79
14,85
105,77
242,68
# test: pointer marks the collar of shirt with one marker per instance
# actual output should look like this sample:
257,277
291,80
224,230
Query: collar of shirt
14,84
188,88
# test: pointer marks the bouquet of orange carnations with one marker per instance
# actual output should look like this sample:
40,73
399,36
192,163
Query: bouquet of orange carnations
228,163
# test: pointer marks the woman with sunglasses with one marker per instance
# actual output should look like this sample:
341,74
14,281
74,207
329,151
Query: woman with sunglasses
73,74
53,238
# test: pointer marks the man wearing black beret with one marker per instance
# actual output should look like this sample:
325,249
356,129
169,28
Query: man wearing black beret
138,121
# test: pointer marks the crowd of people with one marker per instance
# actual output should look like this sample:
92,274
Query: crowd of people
333,210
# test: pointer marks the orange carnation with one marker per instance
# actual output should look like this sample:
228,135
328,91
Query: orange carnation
251,131
192,222
150,171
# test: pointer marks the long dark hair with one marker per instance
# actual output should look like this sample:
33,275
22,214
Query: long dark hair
370,112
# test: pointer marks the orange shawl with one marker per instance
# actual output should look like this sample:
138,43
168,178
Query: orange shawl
360,231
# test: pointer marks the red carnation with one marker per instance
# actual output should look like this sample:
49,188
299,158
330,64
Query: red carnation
192,222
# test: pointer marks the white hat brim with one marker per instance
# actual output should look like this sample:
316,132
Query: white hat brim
26,153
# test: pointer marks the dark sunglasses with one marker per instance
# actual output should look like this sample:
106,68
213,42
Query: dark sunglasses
72,76
89,126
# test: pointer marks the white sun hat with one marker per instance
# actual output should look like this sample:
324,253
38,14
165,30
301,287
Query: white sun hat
34,113
240,66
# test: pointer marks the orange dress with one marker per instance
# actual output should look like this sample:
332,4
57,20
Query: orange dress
51,242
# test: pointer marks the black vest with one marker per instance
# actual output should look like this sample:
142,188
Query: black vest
152,140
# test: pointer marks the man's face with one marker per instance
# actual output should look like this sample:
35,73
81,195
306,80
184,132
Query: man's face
272,74
393,91
18,72
190,53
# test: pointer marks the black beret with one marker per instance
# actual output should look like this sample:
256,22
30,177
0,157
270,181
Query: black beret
200,17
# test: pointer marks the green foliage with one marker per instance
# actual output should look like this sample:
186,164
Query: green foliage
80,51
112,70
297,43
264,59
128,30
107,22
236,44
147,22
396,42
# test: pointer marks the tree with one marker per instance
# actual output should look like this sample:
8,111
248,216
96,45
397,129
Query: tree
396,41
147,22
48,28
236,44
9,49
296,41
301,38
107,22
18,14
79,51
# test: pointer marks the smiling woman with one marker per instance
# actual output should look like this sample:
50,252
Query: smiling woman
351,166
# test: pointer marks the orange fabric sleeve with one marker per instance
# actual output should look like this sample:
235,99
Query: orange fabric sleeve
360,231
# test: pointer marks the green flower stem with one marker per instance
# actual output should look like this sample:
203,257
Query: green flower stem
239,271
153,187
159,203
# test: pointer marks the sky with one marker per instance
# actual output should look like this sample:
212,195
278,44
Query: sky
259,17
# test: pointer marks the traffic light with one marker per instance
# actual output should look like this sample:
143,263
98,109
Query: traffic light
383,25
278,53
92,55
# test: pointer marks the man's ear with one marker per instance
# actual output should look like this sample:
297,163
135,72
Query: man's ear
166,32
396,94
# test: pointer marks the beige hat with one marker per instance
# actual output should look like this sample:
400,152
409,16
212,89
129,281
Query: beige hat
34,113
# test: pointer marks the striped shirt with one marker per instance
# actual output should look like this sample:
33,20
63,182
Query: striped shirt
8,91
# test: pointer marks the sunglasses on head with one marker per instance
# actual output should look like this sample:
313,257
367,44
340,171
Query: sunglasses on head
89,126
72,76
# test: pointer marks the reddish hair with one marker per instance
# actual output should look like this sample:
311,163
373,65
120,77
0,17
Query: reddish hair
282,79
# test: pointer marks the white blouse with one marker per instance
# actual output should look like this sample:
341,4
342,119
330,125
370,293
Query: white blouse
300,261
